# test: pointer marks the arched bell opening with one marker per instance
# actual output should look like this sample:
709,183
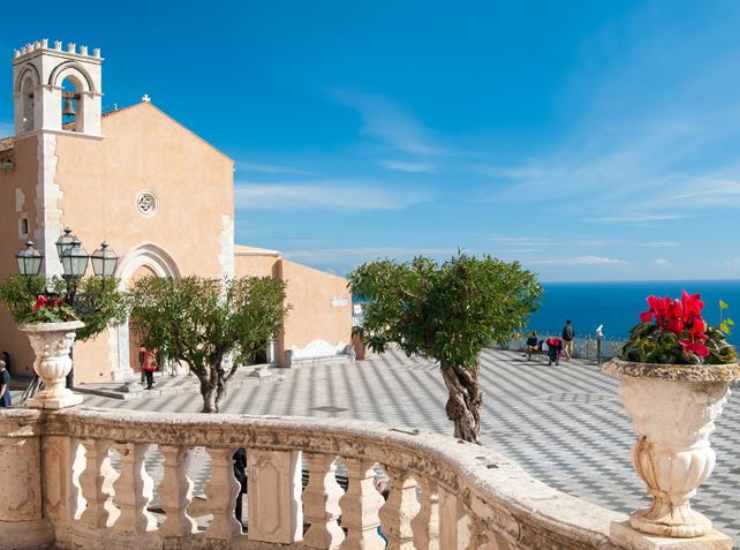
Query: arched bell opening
72,105
28,104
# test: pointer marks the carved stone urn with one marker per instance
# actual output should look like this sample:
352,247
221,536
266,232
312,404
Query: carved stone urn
673,409
52,344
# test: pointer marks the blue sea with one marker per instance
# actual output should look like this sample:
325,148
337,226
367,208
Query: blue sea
618,304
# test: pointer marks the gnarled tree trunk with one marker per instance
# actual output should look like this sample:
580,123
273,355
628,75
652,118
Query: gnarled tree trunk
463,404
208,392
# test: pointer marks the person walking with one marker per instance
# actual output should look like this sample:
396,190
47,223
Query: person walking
148,366
554,347
5,399
568,336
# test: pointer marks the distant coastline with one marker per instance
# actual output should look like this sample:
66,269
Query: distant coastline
617,304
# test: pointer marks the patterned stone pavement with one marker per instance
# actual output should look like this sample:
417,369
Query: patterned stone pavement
563,424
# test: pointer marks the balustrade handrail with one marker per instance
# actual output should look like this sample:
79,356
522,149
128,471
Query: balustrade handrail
494,493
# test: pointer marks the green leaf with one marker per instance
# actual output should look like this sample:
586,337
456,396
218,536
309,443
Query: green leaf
724,327
730,322
723,304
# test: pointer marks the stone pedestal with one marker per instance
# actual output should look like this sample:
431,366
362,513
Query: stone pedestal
673,409
623,534
22,522
52,344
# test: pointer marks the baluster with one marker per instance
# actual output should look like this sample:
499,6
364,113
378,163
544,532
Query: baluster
175,493
321,503
397,512
62,459
133,490
275,511
221,496
97,486
360,505
426,523
447,520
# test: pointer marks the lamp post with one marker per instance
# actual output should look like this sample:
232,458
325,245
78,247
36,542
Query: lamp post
29,262
74,259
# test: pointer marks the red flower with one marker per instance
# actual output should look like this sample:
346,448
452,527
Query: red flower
695,347
41,302
698,328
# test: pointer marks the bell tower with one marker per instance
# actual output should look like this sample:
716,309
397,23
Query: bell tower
57,90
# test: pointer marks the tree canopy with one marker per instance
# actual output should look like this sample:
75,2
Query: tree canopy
448,312
213,326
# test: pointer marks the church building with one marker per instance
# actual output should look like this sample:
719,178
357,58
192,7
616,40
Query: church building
162,197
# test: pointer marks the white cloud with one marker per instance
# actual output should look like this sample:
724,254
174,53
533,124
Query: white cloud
386,121
650,140
326,195
322,255
576,261
521,241
659,244
636,218
247,166
662,262
409,167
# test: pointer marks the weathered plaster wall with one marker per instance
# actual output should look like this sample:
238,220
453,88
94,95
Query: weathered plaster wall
18,199
144,150
256,264
320,317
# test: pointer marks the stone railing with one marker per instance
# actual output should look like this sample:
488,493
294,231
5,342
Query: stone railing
60,489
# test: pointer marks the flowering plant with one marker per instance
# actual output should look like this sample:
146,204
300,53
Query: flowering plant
29,301
50,309
674,332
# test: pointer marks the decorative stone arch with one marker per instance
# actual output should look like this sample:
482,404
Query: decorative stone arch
27,70
76,71
149,255
157,260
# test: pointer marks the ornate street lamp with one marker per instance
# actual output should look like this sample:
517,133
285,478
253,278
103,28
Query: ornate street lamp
104,261
29,260
74,260
65,241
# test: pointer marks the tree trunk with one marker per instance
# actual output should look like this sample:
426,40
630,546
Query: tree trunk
209,398
463,405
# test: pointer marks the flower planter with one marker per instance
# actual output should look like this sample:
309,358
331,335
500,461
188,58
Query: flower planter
673,409
52,344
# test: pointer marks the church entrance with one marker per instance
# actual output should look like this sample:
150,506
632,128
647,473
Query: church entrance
134,338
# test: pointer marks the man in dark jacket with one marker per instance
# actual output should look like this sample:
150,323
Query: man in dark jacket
568,336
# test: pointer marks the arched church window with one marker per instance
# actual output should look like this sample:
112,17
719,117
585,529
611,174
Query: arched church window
71,104
27,92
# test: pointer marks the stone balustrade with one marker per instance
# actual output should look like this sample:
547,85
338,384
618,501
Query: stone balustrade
60,488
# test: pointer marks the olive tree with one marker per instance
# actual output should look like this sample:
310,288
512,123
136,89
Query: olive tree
449,313
210,325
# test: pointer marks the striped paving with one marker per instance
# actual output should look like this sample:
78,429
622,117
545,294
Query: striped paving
563,424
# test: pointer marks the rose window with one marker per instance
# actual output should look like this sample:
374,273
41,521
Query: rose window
146,204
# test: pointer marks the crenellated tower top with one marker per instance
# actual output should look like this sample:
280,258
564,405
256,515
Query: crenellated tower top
57,89
71,49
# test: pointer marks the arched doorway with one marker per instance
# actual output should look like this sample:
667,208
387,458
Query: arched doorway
134,339
144,260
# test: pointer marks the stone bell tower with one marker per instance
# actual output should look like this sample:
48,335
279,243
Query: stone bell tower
57,95
57,90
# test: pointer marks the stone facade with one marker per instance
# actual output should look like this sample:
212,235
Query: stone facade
159,194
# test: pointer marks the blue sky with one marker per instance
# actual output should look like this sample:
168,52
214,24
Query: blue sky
589,140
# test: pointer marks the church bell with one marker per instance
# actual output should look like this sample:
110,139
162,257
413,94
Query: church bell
68,109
